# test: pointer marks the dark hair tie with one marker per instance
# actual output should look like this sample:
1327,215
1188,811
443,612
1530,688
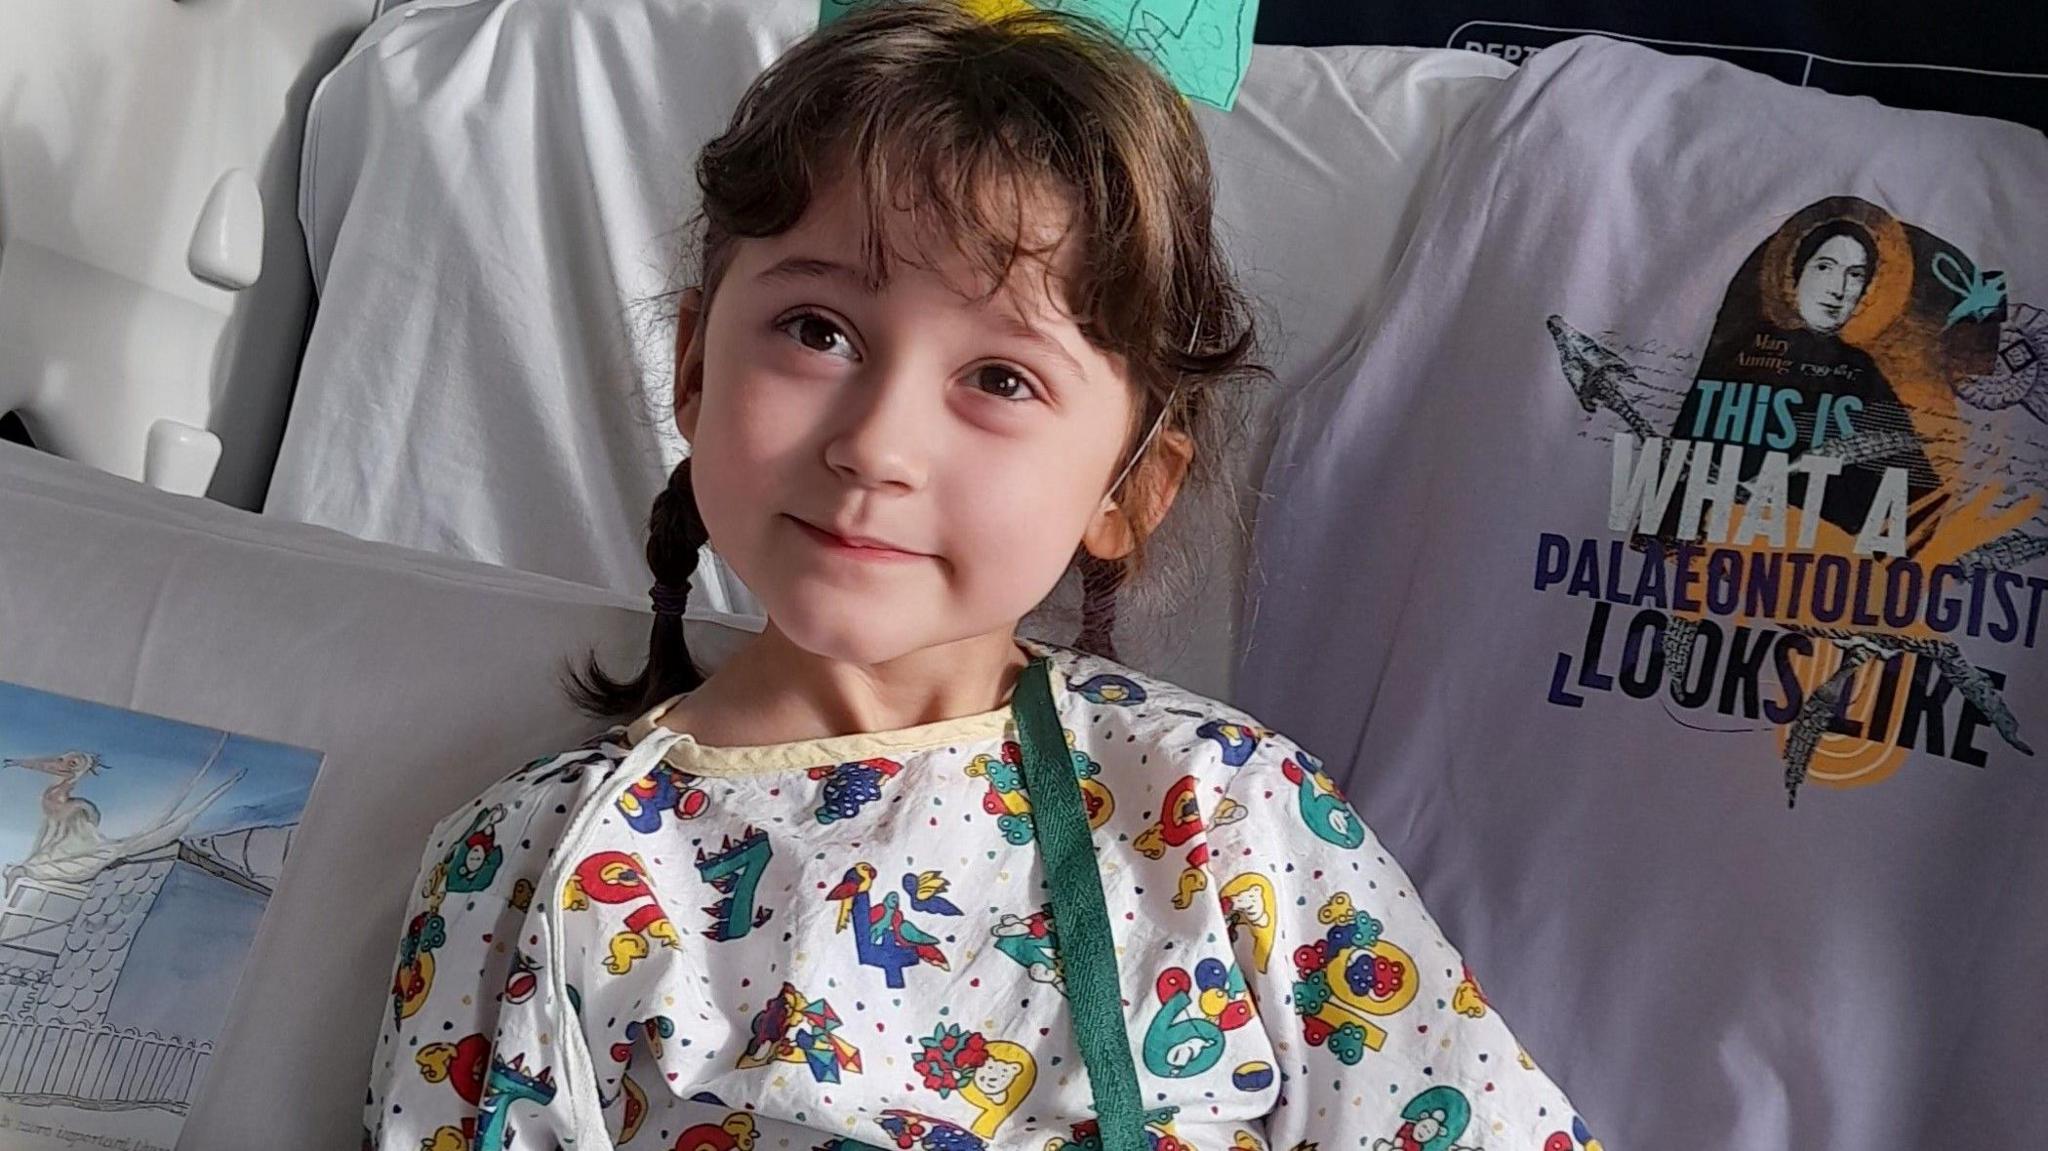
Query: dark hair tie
668,599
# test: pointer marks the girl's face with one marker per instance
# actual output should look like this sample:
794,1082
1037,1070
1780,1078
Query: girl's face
974,440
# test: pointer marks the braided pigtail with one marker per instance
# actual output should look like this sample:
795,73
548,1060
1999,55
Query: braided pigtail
675,538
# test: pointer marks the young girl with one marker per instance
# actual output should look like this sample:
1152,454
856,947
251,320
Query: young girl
960,317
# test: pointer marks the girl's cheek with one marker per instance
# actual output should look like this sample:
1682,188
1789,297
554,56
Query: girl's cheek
769,409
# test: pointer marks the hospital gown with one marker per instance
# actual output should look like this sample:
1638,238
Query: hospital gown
847,943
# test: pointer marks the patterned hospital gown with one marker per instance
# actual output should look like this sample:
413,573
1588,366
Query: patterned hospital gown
846,943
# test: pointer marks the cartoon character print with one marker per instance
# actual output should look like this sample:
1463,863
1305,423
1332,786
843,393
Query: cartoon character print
469,865
473,862
523,980
1236,741
1248,906
651,1032
1000,1085
734,1133
1322,806
1179,822
619,878
1006,799
850,787
1159,1134
994,1076
1186,1035
912,1131
506,1083
634,1113
884,937
1347,979
794,1028
463,1066
1468,1000
1107,688
735,871
1434,1120
568,769
1579,1139
1033,942
424,934
663,791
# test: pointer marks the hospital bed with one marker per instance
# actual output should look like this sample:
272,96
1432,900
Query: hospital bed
486,202
486,198
153,292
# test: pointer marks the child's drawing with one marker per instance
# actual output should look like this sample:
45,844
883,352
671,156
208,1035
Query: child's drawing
137,856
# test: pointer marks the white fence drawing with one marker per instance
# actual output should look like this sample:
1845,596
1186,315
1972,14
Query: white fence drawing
97,1067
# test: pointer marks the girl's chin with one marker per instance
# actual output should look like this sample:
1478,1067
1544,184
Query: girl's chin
851,622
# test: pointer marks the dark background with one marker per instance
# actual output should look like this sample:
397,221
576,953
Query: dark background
1943,56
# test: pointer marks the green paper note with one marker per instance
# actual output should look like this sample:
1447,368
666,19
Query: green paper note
1203,46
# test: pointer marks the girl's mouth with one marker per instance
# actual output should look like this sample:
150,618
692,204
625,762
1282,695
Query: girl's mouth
836,545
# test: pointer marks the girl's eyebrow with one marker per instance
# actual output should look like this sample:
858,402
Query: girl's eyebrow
812,268
1017,326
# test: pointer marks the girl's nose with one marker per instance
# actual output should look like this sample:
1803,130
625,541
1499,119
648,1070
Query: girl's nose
892,417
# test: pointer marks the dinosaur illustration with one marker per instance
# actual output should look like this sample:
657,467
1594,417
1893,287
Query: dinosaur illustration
735,871
463,1066
1597,375
507,1082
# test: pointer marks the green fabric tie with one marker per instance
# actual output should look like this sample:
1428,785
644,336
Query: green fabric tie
1080,916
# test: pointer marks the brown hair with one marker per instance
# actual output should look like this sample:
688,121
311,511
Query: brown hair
929,110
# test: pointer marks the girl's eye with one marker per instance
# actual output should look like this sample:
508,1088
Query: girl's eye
815,332
1003,382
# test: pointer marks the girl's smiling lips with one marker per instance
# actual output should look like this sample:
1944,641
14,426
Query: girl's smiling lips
855,547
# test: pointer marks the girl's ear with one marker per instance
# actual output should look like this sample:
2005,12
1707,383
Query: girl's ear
689,381
1113,532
